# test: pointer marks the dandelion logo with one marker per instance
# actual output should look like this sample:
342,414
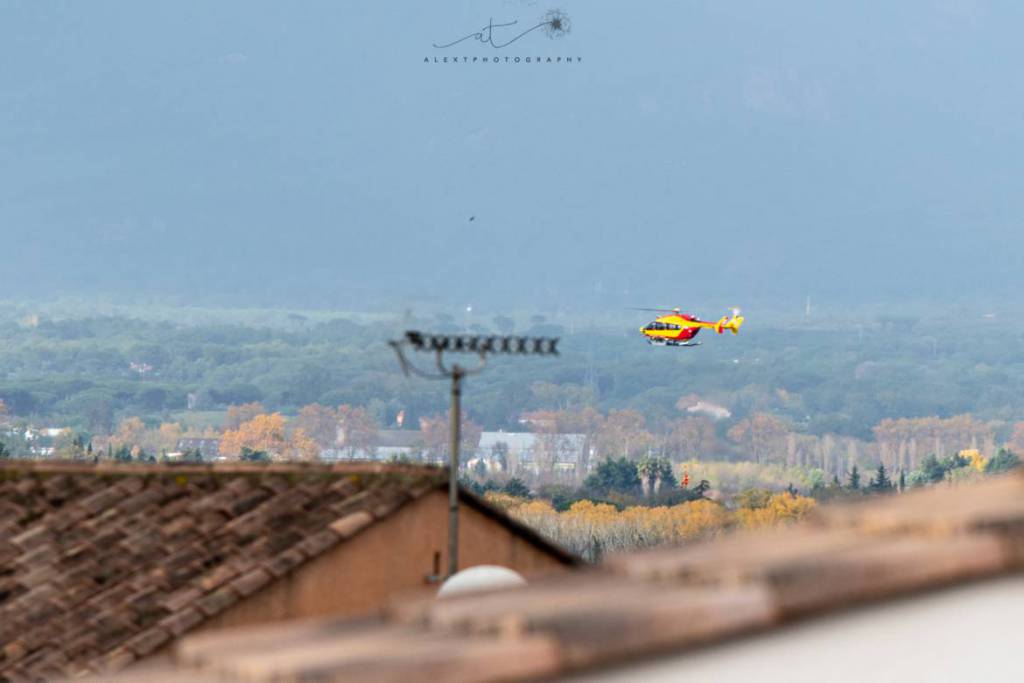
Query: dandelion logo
556,23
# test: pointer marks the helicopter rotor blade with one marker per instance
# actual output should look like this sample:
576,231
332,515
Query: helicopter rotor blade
656,310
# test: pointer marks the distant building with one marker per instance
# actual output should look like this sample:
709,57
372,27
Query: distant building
391,444
535,453
709,409
398,443
41,440
209,449
34,434
499,451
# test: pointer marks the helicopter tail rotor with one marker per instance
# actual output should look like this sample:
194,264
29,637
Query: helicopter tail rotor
731,323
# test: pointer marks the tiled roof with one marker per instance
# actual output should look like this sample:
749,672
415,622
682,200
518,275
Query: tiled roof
209,448
399,438
645,604
516,441
103,565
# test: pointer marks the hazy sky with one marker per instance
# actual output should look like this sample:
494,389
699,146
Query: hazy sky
305,153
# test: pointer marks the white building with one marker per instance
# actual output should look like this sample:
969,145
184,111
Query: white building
531,452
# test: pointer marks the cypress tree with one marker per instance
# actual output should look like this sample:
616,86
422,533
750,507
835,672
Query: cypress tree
854,479
881,480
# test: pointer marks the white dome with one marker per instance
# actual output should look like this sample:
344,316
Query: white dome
480,578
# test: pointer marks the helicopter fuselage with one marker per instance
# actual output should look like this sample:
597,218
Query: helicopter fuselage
678,329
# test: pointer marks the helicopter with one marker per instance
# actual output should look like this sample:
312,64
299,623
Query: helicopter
676,328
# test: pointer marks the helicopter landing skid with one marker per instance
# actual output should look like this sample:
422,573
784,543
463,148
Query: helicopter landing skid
672,343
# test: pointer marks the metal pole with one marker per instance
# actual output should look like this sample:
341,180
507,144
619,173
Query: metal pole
453,473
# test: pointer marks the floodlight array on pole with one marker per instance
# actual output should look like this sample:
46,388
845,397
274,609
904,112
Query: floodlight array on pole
482,347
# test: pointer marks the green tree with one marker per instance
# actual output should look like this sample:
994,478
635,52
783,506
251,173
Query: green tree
881,481
250,455
480,469
561,496
655,474
1002,461
931,469
853,481
953,462
614,476
4,453
499,453
517,487
665,477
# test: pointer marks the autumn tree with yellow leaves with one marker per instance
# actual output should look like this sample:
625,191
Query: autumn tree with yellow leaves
591,529
779,509
130,433
267,433
974,458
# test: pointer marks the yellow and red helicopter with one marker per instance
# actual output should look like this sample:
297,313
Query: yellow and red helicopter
676,328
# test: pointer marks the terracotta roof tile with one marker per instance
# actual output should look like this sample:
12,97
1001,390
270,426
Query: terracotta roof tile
101,500
313,545
352,523
217,576
182,620
251,581
284,562
103,565
31,538
148,641
118,658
